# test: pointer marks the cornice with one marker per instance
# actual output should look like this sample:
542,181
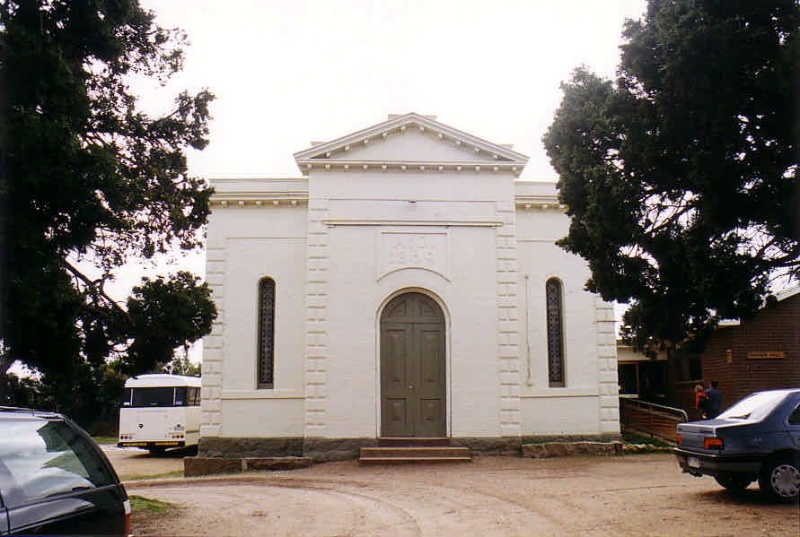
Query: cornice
543,203
293,192
242,201
226,184
539,195
307,166
300,199
334,222
259,192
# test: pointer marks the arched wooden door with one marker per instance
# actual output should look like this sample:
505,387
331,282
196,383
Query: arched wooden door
413,388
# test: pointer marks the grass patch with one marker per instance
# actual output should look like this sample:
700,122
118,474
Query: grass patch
152,517
104,440
176,473
637,443
140,504
631,438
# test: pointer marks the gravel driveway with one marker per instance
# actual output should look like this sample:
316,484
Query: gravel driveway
633,495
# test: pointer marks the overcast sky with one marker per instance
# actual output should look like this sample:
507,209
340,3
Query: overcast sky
286,72
289,72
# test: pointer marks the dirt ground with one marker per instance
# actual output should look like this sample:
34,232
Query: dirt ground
632,495
134,464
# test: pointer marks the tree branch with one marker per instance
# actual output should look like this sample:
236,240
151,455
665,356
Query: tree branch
92,285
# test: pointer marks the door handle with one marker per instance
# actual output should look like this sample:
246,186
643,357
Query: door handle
411,388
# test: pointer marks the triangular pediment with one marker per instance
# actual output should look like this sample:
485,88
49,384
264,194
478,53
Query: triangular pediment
410,140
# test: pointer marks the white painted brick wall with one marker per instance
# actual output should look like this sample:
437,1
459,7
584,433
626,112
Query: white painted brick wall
329,384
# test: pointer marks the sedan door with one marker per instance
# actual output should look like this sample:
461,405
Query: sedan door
93,512
4,528
5,480
793,424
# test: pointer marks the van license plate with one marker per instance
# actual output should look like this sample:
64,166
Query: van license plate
693,462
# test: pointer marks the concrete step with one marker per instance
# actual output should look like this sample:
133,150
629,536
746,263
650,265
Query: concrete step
417,454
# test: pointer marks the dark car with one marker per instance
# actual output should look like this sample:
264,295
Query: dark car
758,438
55,480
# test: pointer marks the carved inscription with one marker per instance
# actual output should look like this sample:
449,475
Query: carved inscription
413,250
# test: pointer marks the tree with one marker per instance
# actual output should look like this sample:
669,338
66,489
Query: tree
24,391
181,365
167,314
680,176
97,405
89,181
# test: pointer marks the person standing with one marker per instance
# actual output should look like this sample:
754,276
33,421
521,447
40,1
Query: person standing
700,400
714,400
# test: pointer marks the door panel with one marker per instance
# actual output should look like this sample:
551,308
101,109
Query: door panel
413,387
396,349
398,413
433,363
431,418
396,344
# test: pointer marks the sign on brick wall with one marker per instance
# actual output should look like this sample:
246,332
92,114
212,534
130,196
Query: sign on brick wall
766,355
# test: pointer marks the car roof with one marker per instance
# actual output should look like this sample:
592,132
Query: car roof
785,391
17,412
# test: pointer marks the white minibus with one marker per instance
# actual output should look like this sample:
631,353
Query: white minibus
160,411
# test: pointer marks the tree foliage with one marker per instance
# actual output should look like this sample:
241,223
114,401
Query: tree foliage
167,314
680,176
181,365
90,180
94,401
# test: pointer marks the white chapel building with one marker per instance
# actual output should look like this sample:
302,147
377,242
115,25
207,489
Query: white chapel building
406,285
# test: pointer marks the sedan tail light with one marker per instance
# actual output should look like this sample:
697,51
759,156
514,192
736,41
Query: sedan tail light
679,439
713,443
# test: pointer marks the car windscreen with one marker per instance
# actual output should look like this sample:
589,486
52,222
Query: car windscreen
754,407
47,457
154,397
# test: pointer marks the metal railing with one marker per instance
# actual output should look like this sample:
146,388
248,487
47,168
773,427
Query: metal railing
651,419
677,412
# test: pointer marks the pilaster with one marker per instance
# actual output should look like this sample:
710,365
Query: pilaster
316,335
507,326
213,344
607,366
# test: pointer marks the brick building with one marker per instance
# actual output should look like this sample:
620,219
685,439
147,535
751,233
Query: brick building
760,353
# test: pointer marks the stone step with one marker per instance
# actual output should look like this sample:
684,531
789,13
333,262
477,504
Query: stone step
412,460
197,466
416,451
417,454
412,441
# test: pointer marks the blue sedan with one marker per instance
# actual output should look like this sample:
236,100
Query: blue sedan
758,438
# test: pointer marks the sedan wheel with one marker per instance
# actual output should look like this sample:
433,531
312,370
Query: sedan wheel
781,480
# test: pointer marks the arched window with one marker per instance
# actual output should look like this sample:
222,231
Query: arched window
266,333
555,333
